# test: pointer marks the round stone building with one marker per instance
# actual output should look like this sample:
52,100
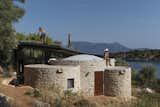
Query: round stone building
117,81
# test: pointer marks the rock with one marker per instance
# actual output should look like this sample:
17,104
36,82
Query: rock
14,82
4,100
41,104
148,90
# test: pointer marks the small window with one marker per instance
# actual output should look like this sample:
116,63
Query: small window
70,83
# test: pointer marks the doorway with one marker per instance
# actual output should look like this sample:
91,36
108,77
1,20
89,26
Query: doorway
98,83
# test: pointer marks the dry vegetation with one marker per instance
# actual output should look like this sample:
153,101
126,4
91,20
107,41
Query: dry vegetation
54,97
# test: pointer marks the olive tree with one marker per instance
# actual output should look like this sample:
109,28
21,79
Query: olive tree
9,14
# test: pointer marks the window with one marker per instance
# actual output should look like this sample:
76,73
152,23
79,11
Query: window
70,83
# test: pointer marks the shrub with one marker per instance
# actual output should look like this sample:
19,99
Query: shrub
34,93
120,62
148,100
146,75
8,72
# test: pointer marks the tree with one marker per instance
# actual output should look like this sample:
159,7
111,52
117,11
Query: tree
9,14
147,75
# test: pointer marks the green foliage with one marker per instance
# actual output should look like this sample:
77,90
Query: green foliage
23,1
148,100
8,72
20,36
157,87
147,75
134,77
34,93
9,14
120,62
70,93
32,37
139,55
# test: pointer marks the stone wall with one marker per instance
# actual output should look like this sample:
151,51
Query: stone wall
87,69
117,81
46,75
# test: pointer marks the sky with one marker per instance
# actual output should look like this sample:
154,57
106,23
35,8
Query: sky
133,23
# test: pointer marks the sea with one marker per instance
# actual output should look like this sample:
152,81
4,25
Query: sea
138,65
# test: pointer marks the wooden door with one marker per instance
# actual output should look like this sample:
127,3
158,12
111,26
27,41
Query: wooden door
98,83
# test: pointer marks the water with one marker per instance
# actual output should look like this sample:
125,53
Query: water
137,66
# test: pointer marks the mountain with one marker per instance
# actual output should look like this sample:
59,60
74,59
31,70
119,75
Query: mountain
98,48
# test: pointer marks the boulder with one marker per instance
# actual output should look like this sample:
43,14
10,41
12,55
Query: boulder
41,104
4,100
148,90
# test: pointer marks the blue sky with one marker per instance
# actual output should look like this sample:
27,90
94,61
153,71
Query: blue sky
133,23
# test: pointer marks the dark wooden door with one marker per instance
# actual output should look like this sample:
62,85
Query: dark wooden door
98,83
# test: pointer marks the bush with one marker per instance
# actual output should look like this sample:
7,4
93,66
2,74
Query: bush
147,76
134,77
8,72
148,100
120,62
34,93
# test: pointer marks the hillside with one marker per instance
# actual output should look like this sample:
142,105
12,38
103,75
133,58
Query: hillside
98,48
139,55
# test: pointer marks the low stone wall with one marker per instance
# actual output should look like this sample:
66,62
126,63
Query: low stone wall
117,81
47,75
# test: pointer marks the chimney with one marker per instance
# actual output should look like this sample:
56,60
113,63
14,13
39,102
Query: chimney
106,54
69,45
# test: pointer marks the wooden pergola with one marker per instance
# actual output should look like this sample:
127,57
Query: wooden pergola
38,53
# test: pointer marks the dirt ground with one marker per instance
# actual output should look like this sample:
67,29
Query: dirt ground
106,101
17,93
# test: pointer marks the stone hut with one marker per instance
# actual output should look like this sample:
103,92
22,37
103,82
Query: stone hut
89,64
87,73
66,77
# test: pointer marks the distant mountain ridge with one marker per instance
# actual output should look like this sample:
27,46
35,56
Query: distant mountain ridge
98,48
